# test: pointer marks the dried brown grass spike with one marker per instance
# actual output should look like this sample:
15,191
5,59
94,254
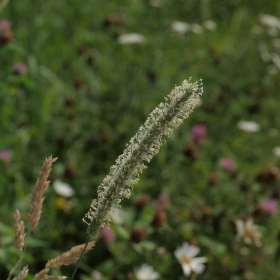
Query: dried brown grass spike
19,231
50,277
69,257
22,274
40,187
43,275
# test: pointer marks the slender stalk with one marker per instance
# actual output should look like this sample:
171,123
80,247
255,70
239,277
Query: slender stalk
193,277
14,268
19,262
80,258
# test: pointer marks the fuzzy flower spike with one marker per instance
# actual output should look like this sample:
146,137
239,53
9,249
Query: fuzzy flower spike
143,146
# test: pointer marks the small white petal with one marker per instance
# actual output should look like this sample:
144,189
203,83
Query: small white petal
196,28
240,227
192,251
248,126
132,38
186,269
146,272
249,223
269,21
180,27
276,151
197,267
210,25
63,189
200,260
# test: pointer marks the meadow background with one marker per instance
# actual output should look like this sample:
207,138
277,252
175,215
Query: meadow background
83,95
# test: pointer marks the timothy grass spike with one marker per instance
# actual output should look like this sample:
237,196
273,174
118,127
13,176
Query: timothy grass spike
143,146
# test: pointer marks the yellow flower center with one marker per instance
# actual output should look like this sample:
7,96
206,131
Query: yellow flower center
60,203
186,259
249,233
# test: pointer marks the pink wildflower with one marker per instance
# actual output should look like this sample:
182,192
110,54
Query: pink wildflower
5,155
96,274
19,68
107,234
4,25
270,206
163,201
227,164
198,133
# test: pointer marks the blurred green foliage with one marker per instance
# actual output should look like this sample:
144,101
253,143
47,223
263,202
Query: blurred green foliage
85,95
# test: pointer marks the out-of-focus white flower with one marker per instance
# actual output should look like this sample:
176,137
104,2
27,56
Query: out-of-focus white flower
185,255
132,38
196,28
156,3
248,231
276,151
276,59
146,272
270,21
180,27
210,25
273,31
248,126
265,56
63,189
96,274
276,43
119,216
272,70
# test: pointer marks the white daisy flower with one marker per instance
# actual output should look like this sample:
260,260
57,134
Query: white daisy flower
146,272
185,255
132,38
270,21
276,151
180,27
210,25
63,189
248,231
248,126
196,28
